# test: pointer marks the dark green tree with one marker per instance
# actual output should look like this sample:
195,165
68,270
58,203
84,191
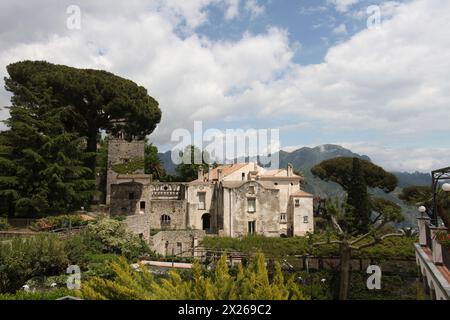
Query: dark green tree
42,166
340,170
386,212
188,170
356,220
423,196
358,210
92,99
355,175
153,164
48,154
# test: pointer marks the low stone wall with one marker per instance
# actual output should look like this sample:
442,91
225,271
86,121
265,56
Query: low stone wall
180,243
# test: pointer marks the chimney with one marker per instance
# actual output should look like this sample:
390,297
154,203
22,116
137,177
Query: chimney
200,174
290,170
209,173
219,175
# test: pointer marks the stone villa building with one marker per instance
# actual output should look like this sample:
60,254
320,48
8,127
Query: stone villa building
230,200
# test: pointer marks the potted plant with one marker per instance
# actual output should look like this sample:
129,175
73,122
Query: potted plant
443,237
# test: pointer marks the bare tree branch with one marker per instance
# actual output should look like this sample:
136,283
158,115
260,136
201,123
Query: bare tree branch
369,234
336,225
377,218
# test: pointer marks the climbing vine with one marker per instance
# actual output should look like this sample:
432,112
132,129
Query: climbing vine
129,167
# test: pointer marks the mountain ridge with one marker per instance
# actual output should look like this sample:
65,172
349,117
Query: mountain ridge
303,159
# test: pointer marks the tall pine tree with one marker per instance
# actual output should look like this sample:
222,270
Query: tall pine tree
42,167
358,210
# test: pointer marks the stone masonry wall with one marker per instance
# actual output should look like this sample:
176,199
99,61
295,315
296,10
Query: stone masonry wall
178,243
120,151
140,225
175,209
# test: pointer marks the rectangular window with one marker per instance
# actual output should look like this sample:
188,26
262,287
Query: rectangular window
297,202
142,205
251,204
179,248
251,227
283,217
305,219
202,201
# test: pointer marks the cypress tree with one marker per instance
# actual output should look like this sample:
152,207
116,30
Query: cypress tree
358,203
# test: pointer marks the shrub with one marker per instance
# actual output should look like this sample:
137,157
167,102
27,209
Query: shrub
59,222
80,246
129,167
99,265
23,259
4,225
249,283
115,238
45,283
38,295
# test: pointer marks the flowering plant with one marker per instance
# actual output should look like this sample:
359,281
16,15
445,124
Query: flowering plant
443,237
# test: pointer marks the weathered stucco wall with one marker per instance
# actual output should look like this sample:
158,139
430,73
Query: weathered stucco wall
237,216
298,214
195,210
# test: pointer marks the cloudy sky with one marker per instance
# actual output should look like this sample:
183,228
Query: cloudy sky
311,68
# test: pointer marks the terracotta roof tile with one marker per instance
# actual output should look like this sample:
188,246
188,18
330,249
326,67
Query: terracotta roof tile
301,194
226,170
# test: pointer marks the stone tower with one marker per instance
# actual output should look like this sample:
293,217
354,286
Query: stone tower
125,159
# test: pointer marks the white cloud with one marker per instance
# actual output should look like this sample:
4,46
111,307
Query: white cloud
392,80
402,158
232,10
254,8
387,10
340,30
342,5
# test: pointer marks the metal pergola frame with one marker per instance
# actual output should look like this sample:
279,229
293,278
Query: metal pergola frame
436,177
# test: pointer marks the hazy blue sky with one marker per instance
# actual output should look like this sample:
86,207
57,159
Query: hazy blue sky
311,68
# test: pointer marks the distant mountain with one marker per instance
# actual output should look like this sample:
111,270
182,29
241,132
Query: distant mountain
166,160
305,158
406,179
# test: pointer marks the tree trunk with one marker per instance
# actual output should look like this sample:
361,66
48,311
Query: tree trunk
344,281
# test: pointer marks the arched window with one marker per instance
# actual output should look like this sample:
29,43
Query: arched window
165,221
